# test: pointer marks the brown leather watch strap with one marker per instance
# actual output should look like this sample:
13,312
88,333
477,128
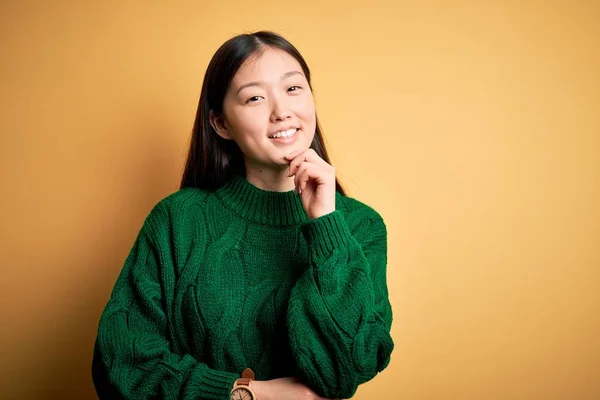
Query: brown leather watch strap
248,373
247,376
243,381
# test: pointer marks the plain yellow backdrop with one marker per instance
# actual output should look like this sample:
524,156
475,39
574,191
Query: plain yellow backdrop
472,127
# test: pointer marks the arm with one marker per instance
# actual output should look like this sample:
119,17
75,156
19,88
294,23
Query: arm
339,316
133,357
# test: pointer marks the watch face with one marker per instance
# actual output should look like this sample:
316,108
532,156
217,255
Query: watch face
241,394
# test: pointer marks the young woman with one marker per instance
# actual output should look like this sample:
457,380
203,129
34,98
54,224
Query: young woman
259,263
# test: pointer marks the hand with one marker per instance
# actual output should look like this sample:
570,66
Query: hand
283,388
314,180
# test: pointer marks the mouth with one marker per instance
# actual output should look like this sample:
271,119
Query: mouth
284,134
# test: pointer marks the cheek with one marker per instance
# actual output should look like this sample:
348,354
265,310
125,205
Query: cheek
307,111
246,125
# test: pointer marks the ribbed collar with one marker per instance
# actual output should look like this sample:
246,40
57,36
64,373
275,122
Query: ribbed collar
261,206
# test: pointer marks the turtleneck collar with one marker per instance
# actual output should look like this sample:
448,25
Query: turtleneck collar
261,206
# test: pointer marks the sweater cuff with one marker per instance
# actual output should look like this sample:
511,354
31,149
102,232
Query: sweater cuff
208,383
327,233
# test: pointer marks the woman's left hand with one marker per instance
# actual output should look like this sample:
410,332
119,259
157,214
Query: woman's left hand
315,182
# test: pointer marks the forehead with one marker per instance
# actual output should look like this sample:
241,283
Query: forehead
268,65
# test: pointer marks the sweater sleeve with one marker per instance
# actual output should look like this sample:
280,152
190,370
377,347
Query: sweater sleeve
339,315
133,356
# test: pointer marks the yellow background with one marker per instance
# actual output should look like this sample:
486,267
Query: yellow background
473,127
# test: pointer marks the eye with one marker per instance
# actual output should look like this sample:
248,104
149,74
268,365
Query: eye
294,88
253,99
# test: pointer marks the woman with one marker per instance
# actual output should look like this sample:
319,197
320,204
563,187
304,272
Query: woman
259,261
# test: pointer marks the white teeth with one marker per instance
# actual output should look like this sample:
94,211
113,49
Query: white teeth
285,134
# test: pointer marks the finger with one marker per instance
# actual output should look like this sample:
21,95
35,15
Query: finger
296,162
290,156
307,156
318,158
293,169
312,156
299,176
307,172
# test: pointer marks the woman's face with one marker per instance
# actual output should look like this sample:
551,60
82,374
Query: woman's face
269,110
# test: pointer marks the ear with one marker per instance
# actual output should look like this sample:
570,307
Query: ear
219,125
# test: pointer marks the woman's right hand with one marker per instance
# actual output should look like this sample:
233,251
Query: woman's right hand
283,388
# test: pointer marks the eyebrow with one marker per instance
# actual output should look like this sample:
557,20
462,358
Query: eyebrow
256,83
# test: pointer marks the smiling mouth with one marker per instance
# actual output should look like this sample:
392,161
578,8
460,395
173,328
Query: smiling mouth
284,134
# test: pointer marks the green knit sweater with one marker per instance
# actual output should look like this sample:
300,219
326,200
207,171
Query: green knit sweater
238,278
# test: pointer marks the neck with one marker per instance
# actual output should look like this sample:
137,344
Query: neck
274,180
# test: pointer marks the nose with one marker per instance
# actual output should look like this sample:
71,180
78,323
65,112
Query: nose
279,110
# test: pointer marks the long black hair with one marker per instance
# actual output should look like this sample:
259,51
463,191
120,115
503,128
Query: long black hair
212,160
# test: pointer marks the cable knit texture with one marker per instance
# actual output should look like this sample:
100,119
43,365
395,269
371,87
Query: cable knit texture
217,282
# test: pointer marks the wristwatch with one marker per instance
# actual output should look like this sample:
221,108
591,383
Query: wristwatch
241,387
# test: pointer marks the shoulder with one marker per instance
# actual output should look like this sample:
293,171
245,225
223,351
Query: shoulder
184,199
180,206
358,214
355,209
